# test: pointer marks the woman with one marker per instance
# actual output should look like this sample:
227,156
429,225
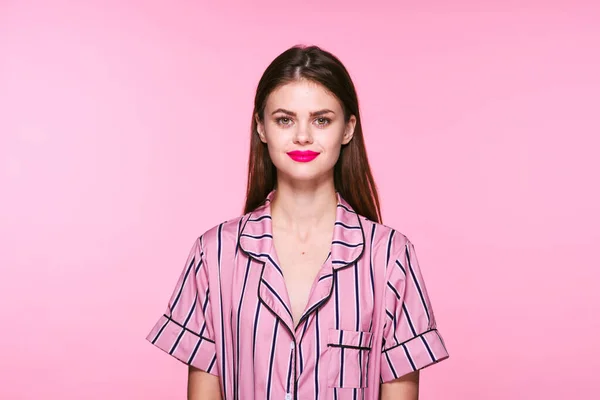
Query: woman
307,295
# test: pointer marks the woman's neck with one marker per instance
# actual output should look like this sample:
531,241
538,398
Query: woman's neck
303,210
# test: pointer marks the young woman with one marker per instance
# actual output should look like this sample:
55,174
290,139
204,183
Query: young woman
307,295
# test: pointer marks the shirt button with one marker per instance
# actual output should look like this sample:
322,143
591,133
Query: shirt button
288,396
292,346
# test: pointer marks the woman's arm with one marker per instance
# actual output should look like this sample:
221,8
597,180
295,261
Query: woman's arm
202,385
404,388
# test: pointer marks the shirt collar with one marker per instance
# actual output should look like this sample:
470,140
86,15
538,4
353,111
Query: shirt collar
256,237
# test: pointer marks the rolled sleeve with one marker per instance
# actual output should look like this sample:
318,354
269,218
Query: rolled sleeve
185,330
411,338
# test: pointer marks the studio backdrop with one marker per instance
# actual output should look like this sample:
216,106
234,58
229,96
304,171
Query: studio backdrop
123,122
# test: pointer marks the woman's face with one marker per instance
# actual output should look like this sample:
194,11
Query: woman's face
304,130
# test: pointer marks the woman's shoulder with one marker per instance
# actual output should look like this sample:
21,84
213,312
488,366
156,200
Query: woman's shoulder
377,234
223,233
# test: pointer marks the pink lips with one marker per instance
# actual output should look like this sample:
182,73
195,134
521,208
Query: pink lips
303,156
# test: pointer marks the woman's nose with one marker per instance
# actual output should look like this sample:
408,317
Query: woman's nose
303,135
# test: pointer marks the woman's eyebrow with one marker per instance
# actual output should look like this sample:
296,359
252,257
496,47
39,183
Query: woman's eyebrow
312,114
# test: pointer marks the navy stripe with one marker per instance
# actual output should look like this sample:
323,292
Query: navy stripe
300,347
325,277
268,256
212,363
222,316
358,325
255,329
337,326
360,363
275,264
387,357
174,347
347,226
289,374
401,267
395,329
428,348
189,316
409,320
278,297
193,355
418,286
410,360
342,262
350,245
357,297
267,216
342,360
200,263
394,290
204,307
169,319
346,208
266,235
185,278
389,248
412,338
235,392
312,308
389,314
367,371
237,247
161,329
271,362
348,346
337,301
318,355
371,273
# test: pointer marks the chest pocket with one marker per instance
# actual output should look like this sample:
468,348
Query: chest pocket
348,358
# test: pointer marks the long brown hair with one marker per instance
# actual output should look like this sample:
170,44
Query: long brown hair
352,175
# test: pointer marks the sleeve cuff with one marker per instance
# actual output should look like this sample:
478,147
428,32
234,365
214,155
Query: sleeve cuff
183,344
417,353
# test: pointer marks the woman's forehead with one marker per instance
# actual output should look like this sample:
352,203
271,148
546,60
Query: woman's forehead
302,97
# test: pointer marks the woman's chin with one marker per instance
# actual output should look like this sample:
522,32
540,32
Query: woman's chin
304,176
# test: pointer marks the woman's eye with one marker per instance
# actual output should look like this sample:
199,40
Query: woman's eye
283,121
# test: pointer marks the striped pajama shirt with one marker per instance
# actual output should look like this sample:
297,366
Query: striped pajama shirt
368,318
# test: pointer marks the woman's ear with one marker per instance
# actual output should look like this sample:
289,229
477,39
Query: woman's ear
349,130
260,129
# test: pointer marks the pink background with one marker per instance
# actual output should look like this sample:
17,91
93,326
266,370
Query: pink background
482,122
